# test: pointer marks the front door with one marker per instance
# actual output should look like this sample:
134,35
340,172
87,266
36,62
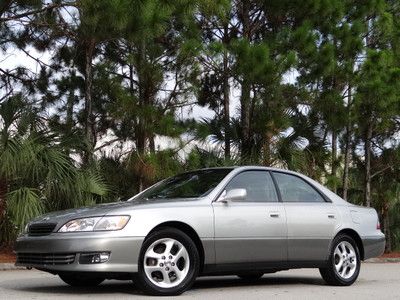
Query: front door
252,230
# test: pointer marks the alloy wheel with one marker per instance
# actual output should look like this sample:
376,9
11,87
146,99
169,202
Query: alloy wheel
166,263
345,260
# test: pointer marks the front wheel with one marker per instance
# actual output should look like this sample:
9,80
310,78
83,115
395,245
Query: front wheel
168,263
344,262
78,280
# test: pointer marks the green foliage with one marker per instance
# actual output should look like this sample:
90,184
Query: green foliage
378,98
307,85
23,205
37,174
104,18
199,158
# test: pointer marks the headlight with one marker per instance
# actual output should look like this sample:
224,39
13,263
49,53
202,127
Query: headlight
111,223
106,223
86,224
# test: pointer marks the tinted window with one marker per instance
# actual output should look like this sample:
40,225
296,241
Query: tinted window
295,189
187,185
258,184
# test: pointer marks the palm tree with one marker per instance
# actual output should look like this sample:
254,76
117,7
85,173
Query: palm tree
36,175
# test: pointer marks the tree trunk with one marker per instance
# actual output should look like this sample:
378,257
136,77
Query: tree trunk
226,101
142,101
267,148
245,119
141,73
386,229
334,157
132,92
152,145
69,122
245,87
347,153
3,197
367,174
70,112
347,150
368,136
89,117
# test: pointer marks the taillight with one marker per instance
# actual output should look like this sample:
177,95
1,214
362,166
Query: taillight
378,225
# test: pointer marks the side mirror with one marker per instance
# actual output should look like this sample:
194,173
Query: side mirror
234,195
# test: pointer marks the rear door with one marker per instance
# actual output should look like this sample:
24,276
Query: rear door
311,219
252,230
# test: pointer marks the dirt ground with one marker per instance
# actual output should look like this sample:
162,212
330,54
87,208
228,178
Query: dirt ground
7,256
394,254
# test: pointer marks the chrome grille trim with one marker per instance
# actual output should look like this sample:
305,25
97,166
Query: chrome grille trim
45,258
40,229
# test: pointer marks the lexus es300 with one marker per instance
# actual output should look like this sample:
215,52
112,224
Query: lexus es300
244,221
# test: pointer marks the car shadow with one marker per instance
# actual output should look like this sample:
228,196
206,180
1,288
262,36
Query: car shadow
108,287
120,287
232,281
126,287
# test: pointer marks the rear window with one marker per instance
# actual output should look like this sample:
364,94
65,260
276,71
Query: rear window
295,189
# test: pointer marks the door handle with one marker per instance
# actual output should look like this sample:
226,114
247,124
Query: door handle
331,216
274,215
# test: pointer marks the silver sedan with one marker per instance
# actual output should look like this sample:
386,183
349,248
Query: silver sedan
246,221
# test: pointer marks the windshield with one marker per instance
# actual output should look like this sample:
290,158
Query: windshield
187,185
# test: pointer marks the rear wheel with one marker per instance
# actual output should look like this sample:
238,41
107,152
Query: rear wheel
344,262
76,279
168,263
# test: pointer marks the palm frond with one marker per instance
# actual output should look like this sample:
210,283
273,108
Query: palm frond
24,204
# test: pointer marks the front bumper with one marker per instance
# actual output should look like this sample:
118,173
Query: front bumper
374,246
124,251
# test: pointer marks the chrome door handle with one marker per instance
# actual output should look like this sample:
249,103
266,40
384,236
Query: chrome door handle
274,215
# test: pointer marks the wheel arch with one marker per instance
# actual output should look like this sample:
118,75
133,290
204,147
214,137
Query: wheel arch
187,229
356,237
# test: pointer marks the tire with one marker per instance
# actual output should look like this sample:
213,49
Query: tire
77,280
344,262
168,264
250,276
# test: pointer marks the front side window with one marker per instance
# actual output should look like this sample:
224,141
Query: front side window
295,189
258,184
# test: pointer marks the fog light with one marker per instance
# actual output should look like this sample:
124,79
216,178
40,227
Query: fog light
100,258
94,258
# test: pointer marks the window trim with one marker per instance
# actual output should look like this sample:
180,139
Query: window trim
277,192
325,198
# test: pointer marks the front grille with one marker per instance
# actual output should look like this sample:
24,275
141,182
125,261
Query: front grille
39,229
45,258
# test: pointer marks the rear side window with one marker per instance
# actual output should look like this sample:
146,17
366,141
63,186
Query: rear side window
295,189
258,184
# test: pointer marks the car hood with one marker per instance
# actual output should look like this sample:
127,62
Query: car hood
90,211
104,209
